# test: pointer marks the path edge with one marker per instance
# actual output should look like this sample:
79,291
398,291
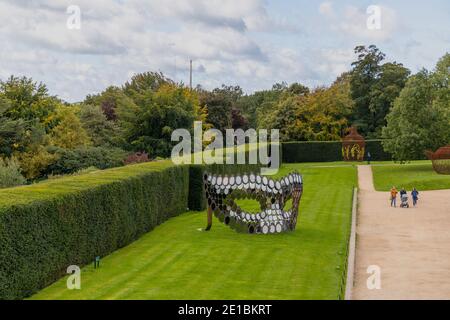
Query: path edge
351,249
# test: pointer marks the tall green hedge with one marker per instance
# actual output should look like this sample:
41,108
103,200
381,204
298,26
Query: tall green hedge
48,226
323,151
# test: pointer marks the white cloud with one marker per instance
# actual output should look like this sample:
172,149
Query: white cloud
119,38
233,42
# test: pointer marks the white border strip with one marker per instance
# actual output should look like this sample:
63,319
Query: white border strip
351,249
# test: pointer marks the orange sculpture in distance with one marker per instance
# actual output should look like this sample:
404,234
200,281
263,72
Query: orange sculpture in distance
440,159
353,146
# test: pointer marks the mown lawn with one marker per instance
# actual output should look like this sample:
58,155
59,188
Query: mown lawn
179,261
418,174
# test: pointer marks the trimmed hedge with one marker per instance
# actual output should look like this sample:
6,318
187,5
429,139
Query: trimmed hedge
326,151
46,227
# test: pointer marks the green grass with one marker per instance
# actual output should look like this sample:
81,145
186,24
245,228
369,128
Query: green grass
418,174
178,261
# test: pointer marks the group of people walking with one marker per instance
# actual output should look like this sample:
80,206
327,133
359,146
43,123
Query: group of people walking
403,197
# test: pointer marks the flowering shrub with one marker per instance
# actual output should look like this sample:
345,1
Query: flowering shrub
137,157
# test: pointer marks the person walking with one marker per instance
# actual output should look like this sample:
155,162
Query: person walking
369,157
402,192
394,197
415,196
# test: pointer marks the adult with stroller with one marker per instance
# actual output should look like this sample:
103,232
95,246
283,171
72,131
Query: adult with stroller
394,197
415,196
403,198
402,192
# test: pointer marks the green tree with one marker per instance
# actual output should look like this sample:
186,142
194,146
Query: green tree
101,131
148,127
323,114
12,132
420,118
69,133
142,86
389,84
298,89
18,135
29,100
318,115
283,116
220,102
109,100
374,87
254,106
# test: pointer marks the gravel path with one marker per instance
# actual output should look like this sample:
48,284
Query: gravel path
411,246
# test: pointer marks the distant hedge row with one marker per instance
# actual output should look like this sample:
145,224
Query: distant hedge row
325,151
46,227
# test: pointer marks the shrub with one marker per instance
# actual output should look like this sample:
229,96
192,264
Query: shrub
137,157
10,173
35,163
70,161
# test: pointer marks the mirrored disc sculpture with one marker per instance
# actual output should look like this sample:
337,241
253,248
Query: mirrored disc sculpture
273,195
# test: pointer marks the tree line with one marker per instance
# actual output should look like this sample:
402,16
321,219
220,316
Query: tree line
43,136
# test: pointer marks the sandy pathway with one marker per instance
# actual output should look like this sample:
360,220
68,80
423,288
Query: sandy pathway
411,246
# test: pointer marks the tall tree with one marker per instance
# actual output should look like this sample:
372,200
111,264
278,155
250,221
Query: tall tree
390,82
29,100
142,85
320,115
220,102
420,118
148,127
109,100
102,131
374,87
69,133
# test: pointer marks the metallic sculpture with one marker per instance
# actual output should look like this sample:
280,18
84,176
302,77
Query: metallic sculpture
222,191
353,146
440,159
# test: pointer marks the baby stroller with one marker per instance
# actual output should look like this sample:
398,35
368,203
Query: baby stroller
404,199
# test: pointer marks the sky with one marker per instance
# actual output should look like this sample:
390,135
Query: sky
80,47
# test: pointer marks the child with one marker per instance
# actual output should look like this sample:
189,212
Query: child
394,197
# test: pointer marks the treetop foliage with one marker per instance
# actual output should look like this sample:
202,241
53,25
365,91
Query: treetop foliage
382,99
